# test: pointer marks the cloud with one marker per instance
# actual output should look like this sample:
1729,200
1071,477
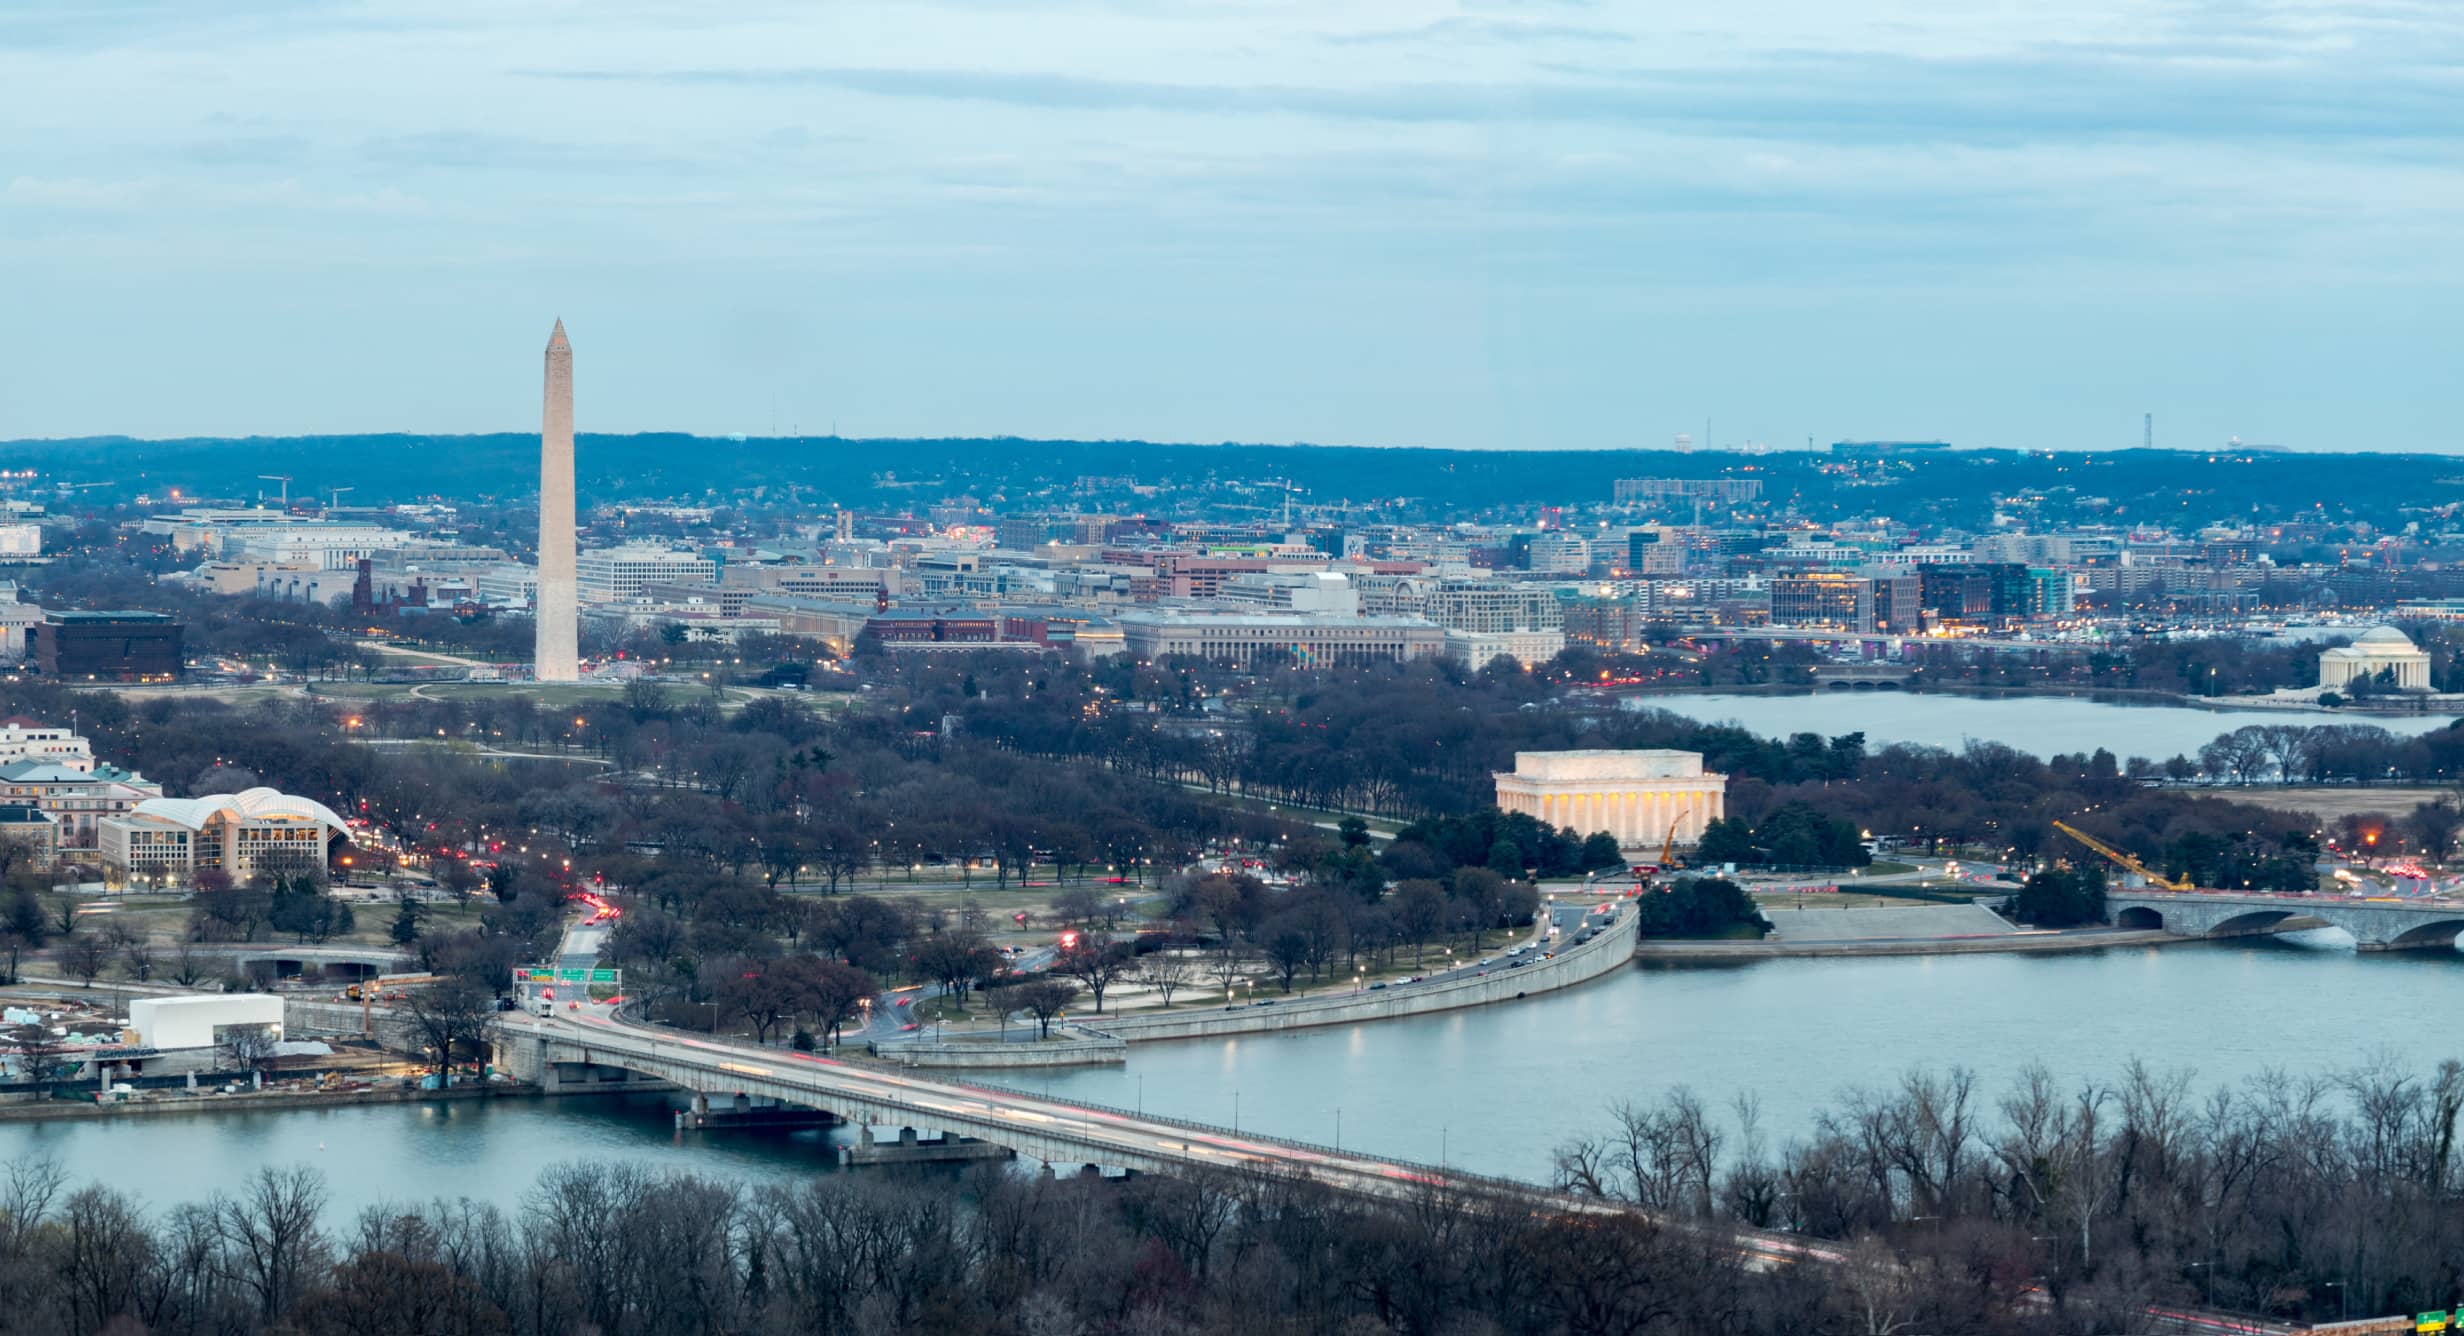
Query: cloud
1469,28
1807,96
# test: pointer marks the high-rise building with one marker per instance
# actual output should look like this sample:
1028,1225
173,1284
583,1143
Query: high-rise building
557,654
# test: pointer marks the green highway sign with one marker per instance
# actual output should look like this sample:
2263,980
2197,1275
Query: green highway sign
564,974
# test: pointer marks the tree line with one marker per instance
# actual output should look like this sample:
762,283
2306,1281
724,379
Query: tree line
2302,1198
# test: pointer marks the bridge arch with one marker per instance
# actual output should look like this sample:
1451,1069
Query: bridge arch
2255,921
2438,932
2139,916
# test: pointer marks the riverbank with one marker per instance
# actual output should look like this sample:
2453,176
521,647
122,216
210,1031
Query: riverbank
2022,943
1605,953
2396,707
255,1101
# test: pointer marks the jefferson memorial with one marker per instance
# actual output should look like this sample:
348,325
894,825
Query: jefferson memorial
1637,796
2384,650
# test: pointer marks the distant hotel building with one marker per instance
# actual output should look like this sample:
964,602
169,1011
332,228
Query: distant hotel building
1715,491
616,574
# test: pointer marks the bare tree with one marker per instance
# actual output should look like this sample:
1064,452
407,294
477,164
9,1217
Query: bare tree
1166,972
1227,964
1096,962
269,1232
28,1185
83,956
186,967
1044,999
452,1015
246,1048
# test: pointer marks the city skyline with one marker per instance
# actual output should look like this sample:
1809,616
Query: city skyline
1456,226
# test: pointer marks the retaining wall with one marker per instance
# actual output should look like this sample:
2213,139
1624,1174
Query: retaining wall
1094,1050
1611,950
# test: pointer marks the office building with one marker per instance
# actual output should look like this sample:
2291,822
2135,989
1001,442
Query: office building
616,574
1248,640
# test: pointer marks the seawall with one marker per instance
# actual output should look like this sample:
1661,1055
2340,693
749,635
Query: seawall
2022,942
1611,950
1089,1051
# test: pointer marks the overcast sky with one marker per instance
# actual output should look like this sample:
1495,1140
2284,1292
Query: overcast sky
1510,223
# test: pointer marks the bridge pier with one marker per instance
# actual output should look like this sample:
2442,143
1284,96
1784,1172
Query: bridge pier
745,1113
582,1078
945,1148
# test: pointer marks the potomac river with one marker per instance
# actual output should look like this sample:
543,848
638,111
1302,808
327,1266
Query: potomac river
2043,725
1493,1089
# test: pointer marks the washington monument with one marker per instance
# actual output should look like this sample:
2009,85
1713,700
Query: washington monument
555,656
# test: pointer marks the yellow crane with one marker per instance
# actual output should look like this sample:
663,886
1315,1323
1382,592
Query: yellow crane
2122,858
1668,850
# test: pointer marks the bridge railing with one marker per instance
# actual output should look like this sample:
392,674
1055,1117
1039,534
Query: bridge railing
1450,1173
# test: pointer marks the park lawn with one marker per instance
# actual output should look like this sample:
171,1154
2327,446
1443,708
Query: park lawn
1838,900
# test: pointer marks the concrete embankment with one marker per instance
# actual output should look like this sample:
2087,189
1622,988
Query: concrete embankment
1607,952
1837,923
1090,1050
264,1101
2086,939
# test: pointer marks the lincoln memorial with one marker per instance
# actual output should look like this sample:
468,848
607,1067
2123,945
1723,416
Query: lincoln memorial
1637,796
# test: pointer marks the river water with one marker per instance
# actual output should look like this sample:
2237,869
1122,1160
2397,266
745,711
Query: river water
1493,1089
2043,725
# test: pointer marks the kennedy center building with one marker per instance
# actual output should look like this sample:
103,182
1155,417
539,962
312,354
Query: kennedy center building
1637,796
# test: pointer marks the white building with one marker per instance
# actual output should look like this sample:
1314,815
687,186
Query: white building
1327,593
1561,554
1250,638
1638,796
16,619
79,800
331,547
21,540
201,1022
2383,655
170,839
1475,649
25,740
614,574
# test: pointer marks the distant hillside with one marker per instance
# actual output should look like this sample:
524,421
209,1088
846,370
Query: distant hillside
1966,487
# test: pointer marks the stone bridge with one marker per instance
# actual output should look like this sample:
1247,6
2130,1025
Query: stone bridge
2376,925
559,1051
1862,676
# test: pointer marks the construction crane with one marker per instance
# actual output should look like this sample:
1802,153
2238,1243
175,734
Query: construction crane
1668,850
336,503
284,479
2123,859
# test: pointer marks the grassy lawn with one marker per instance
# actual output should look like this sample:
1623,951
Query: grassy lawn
164,920
546,693
1382,825
1845,900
